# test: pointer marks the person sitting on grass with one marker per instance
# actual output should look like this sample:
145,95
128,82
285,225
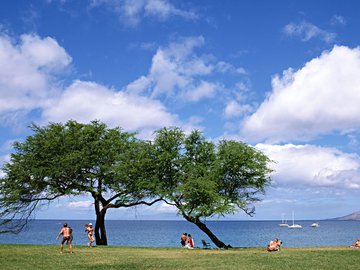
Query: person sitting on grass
274,245
190,242
183,239
356,244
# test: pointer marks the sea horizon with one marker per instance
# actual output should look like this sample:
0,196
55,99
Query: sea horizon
221,220
166,233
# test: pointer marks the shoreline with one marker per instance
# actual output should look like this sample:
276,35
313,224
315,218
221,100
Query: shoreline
179,248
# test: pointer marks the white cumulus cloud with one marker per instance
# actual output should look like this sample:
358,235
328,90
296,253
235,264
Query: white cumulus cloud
29,80
173,67
310,165
27,68
86,101
203,90
320,98
235,109
44,53
178,71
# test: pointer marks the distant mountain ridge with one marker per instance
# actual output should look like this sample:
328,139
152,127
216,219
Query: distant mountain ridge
352,216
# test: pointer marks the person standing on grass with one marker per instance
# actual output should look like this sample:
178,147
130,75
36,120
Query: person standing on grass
66,233
90,231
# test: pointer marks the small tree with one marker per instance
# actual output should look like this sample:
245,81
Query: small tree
204,180
75,159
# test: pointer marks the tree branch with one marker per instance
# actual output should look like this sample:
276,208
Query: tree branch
169,203
118,205
114,197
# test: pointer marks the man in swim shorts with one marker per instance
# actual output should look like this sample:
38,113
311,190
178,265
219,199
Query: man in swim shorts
66,233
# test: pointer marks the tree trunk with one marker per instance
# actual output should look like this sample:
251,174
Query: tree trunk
202,226
100,230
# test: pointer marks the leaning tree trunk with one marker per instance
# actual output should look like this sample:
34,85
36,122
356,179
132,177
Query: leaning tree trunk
202,226
100,230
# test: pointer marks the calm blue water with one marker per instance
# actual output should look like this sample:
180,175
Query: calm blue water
167,233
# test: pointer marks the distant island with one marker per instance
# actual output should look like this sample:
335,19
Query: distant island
353,216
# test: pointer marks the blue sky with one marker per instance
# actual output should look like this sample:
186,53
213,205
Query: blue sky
282,76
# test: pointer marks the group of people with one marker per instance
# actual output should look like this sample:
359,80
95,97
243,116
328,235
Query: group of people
275,244
67,234
187,241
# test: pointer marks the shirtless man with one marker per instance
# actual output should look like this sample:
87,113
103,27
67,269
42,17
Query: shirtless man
66,233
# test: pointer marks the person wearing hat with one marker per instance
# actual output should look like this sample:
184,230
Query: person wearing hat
90,231
66,233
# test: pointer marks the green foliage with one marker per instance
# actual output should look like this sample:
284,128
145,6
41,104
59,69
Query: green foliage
203,179
243,173
72,159
168,143
199,177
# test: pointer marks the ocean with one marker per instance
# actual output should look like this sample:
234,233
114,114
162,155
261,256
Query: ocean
167,233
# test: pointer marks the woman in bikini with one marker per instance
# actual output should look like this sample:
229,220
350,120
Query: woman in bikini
90,231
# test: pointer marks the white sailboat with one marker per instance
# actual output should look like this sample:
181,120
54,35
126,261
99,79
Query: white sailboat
283,221
294,226
315,225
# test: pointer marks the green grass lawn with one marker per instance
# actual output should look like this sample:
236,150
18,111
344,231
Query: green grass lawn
48,257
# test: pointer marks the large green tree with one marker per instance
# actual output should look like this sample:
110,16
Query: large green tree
202,179
75,159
